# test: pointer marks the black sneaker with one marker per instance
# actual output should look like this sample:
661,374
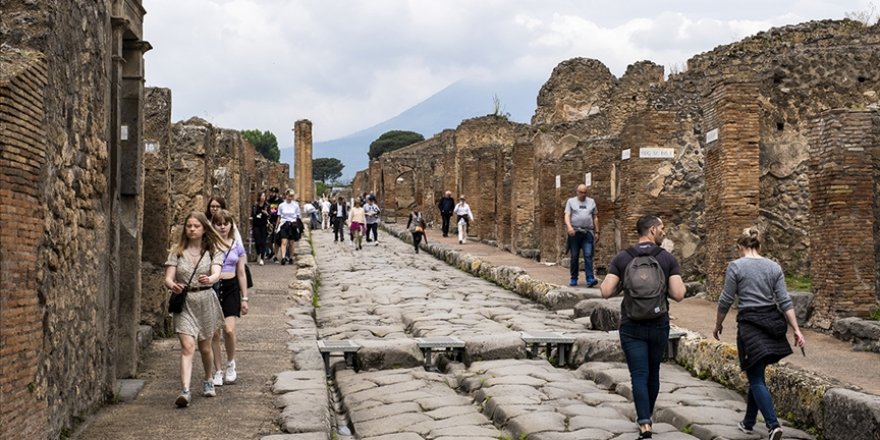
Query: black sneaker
775,433
743,429
644,435
283,261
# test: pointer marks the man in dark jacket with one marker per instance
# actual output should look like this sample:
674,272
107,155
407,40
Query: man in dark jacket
338,216
446,206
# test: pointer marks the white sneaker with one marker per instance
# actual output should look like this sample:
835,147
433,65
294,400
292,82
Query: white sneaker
183,399
261,261
231,375
218,378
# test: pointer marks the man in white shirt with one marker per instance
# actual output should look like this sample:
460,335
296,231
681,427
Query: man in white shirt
371,209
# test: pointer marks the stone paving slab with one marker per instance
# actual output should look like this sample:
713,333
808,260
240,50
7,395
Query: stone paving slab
409,404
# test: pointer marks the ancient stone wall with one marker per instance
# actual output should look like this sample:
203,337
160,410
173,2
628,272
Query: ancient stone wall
158,213
88,188
842,188
22,159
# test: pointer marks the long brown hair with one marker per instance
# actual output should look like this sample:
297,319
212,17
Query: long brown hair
211,240
223,216
220,200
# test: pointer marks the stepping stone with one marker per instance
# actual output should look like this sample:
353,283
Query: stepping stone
348,349
449,344
563,343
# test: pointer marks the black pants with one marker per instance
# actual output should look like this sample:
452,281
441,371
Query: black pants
417,238
260,235
445,228
375,228
338,225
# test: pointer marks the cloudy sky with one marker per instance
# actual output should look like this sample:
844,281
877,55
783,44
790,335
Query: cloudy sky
347,65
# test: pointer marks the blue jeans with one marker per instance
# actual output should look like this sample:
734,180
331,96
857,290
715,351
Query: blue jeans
759,398
643,346
581,242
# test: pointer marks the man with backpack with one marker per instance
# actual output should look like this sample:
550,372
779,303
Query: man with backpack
647,275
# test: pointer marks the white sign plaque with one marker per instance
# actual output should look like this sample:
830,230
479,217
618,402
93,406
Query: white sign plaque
656,153
151,147
558,182
625,154
712,136
588,179
124,134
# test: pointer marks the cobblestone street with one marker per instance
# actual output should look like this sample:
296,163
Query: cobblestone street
385,296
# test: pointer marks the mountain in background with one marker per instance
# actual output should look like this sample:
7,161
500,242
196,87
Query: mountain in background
445,109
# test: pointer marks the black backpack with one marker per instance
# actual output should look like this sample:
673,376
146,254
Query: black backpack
644,286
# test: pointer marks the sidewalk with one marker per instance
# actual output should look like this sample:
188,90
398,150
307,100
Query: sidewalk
825,355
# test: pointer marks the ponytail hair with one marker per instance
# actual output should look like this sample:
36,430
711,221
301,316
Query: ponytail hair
750,238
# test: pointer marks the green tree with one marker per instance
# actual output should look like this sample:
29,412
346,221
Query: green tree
327,168
264,142
393,140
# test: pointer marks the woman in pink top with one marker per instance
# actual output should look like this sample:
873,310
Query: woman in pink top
232,293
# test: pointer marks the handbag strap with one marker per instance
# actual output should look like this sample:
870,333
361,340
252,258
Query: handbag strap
193,274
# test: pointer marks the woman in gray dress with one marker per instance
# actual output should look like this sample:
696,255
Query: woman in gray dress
196,259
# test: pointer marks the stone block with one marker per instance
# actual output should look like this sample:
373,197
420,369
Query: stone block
489,347
566,298
864,334
388,354
693,288
851,415
307,436
803,306
596,347
606,315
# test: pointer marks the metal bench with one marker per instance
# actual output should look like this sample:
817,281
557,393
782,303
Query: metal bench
672,344
563,344
348,349
452,346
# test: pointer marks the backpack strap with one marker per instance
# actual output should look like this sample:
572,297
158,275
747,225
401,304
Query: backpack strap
656,251
631,251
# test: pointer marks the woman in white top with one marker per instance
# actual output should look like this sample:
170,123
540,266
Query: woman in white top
465,216
357,218
288,213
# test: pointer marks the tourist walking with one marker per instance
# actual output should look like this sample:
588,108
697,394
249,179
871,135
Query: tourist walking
647,275
215,204
357,219
259,225
287,227
446,205
465,217
371,211
417,225
339,215
274,237
765,311
325,213
233,295
192,267
582,226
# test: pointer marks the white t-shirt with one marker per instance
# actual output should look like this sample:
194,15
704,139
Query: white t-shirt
288,212
325,206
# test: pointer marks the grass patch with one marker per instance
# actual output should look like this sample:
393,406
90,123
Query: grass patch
796,282
875,315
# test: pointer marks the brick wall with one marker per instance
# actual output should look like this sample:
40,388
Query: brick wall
523,199
842,209
23,412
732,174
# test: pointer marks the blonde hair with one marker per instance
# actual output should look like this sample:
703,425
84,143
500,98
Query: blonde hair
750,238
211,240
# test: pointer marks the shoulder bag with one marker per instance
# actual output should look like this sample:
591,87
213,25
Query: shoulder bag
176,301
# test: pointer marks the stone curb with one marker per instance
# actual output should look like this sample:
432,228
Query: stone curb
799,396
302,393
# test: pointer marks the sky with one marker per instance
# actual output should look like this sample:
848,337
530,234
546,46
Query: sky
348,65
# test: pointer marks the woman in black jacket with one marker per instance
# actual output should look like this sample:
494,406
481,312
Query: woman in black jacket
260,220
764,313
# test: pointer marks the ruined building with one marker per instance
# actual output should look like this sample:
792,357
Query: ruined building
779,130
77,214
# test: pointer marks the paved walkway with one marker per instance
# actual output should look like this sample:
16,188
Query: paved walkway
243,410
824,352
385,295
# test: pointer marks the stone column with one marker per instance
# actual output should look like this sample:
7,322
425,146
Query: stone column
841,207
305,182
731,124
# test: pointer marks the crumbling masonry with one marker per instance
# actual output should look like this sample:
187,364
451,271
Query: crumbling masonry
92,178
734,141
